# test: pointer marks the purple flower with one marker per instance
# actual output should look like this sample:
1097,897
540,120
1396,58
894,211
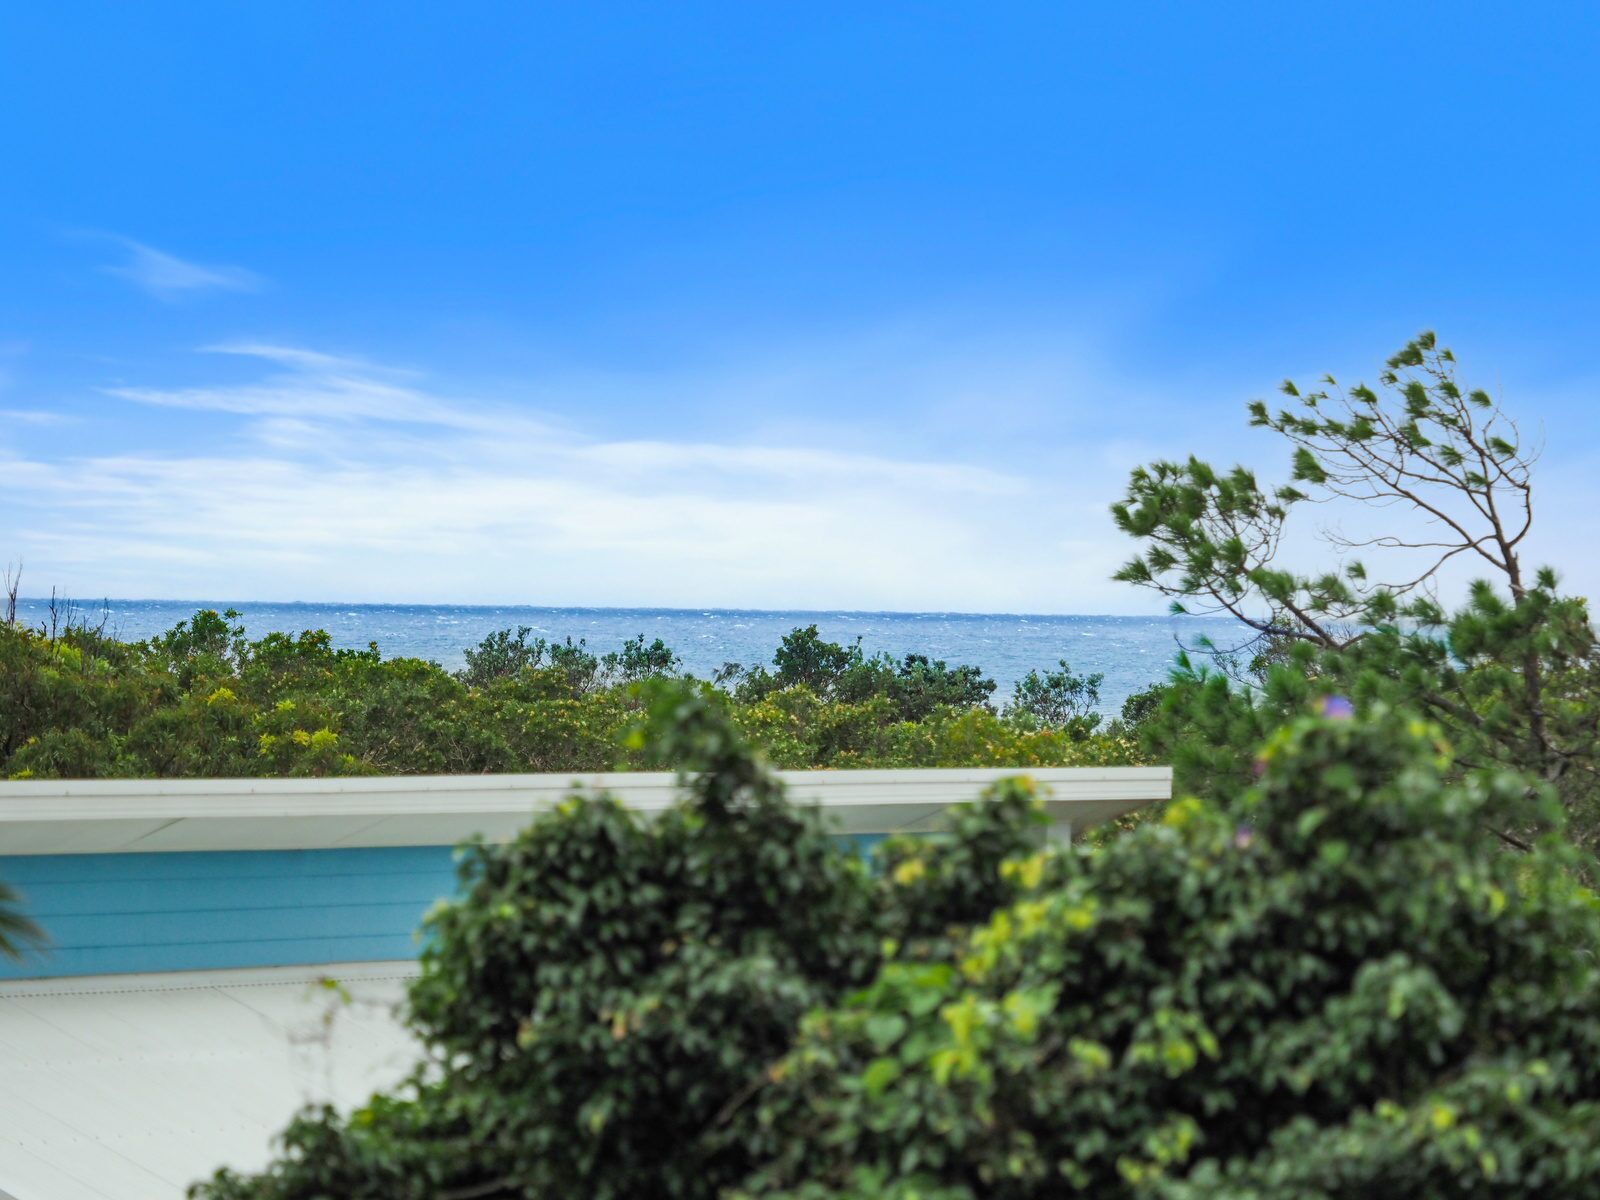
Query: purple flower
1338,707
1243,836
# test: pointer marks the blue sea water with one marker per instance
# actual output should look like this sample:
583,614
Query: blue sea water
1132,652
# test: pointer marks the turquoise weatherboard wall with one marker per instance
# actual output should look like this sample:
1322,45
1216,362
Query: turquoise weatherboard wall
178,883
117,913
113,914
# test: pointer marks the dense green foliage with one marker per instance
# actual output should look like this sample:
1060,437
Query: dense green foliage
607,993
1442,481
912,689
1330,986
1321,975
206,700
1059,698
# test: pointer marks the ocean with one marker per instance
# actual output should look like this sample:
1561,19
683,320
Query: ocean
1132,652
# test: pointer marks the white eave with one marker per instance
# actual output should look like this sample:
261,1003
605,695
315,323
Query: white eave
123,816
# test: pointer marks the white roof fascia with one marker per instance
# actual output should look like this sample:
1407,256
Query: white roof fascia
122,816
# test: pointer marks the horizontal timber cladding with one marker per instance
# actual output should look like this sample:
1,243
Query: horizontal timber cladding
107,914
137,876
114,914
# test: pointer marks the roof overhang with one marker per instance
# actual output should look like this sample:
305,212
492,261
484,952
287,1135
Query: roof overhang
127,816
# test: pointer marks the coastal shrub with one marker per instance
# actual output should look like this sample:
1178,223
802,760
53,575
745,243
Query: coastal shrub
508,653
913,687
1058,699
204,699
502,655
797,729
1331,985
607,993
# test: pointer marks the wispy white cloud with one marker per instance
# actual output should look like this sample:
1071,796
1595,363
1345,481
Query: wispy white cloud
168,277
36,416
342,478
974,476
322,387
303,359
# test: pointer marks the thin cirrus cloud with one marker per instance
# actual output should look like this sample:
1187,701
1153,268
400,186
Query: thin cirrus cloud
35,416
310,385
322,476
168,277
333,477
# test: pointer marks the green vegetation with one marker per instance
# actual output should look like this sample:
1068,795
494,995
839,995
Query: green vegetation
1440,480
1331,985
205,700
1357,957
16,930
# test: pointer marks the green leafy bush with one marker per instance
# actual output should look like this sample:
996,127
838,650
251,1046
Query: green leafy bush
1334,985
606,996
206,700
1058,699
911,689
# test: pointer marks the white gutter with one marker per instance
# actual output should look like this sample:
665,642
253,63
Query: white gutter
136,815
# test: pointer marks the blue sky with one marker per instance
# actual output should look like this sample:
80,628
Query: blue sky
747,305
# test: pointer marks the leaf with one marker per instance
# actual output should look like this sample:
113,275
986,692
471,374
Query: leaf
880,1073
885,1029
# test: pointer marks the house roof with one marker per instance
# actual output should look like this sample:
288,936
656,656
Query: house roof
131,1087
118,816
